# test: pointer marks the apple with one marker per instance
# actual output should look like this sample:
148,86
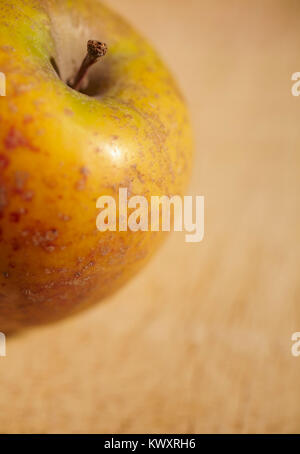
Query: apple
69,136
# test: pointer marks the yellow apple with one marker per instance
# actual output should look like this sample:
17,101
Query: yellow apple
60,149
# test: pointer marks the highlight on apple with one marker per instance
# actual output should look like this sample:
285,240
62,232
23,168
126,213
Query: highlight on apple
160,215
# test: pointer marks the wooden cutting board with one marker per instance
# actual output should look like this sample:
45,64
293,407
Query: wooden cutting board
199,341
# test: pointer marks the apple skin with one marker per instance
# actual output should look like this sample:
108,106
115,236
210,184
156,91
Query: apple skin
60,150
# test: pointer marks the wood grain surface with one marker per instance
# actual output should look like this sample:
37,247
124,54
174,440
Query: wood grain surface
200,340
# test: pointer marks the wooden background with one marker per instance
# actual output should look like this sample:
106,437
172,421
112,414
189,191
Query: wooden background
200,341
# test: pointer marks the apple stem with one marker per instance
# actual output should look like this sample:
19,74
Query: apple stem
95,50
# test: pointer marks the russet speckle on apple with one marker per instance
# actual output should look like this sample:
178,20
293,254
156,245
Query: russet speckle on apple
71,132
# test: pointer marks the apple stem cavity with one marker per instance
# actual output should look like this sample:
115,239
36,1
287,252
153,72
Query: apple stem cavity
95,51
